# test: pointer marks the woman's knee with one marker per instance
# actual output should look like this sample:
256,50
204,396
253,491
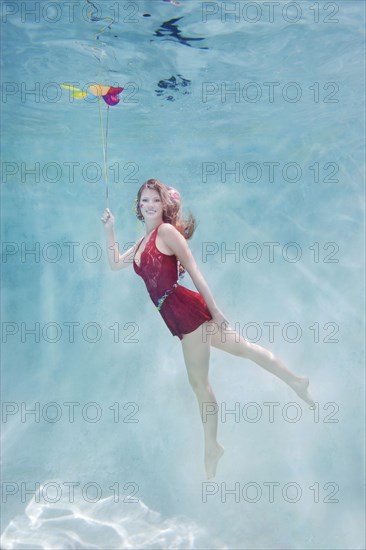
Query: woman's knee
198,381
232,343
199,386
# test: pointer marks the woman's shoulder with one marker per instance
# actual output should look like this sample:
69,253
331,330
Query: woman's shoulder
167,229
169,234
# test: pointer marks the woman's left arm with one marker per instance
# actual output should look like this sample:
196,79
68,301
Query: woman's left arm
179,246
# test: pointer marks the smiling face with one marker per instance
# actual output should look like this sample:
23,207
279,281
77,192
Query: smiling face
151,205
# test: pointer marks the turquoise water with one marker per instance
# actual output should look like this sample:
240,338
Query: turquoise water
279,160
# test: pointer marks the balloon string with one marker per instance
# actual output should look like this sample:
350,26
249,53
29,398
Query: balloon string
104,148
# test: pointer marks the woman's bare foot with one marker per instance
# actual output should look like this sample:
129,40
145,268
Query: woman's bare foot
212,457
301,388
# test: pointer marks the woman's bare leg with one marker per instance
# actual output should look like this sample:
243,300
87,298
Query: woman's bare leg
197,356
232,342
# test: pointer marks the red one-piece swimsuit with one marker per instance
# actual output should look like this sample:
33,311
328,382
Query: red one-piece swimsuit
182,309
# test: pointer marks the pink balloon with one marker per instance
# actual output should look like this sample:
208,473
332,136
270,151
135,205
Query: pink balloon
111,98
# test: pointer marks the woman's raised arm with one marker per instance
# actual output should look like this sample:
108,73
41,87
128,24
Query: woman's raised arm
116,260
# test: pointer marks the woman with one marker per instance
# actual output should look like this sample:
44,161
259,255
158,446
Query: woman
160,258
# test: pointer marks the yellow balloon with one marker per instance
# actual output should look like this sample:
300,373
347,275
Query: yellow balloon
76,92
68,87
79,95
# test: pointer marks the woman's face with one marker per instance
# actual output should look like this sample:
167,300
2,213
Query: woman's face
150,204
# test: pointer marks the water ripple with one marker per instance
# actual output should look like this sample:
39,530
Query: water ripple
104,524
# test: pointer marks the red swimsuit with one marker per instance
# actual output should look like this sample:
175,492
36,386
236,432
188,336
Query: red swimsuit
182,309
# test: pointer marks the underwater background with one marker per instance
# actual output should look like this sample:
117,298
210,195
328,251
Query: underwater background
254,111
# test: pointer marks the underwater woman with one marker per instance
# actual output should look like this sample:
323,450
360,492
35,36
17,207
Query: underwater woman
161,258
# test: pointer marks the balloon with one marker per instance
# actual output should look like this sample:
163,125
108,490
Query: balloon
111,98
99,90
108,93
78,94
